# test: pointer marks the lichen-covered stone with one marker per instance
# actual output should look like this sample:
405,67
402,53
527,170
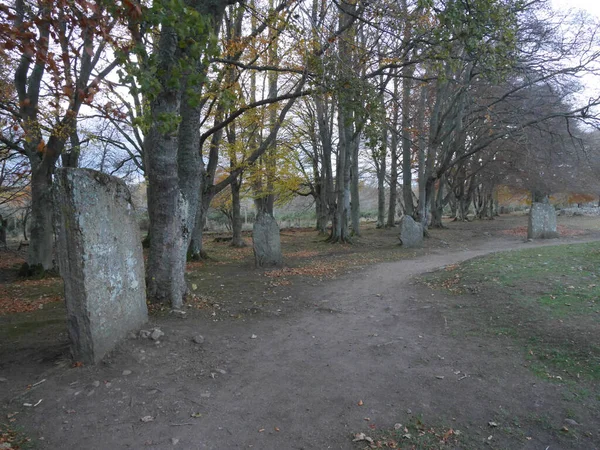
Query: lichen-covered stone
542,222
100,260
411,232
266,241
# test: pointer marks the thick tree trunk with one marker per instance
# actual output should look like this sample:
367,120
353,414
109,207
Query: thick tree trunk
173,165
437,206
41,245
340,227
409,208
168,209
168,222
322,215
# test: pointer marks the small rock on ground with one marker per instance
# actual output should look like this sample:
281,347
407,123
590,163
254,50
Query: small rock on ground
156,334
198,339
145,334
126,372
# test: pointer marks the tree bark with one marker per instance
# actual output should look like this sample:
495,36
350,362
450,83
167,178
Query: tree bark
391,219
354,189
409,208
236,217
437,206
326,192
41,243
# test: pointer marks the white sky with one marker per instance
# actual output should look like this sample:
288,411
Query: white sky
592,6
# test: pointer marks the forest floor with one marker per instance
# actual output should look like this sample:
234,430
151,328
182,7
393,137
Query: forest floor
405,348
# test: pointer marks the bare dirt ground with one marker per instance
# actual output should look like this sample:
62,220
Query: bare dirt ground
343,341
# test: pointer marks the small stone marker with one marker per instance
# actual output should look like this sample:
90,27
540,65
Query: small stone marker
266,241
411,232
100,260
542,222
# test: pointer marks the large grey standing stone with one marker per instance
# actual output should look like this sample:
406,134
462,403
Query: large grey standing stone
266,241
542,222
411,232
100,260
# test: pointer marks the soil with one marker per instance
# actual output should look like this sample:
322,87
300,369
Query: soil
298,360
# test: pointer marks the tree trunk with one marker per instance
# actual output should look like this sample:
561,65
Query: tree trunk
381,172
409,208
3,227
322,214
437,206
423,172
168,209
354,189
41,245
326,191
236,217
340,228
195,249
391,220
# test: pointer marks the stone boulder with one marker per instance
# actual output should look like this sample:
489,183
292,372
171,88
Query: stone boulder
542,222
411,232
100,260
266,241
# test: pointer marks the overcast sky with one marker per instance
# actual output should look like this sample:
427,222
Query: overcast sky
593,6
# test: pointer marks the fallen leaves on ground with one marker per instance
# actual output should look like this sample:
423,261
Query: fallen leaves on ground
201,302
562,231
315,270
15,439
11,260
302,254
11,304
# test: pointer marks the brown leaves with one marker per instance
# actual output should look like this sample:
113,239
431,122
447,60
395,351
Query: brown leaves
10,305
562,230
314,270
13,438
24,295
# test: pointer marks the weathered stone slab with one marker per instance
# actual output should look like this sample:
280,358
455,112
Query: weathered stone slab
542,222
266,241
100,260
411,232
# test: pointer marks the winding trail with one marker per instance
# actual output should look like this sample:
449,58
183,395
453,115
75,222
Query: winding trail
368,337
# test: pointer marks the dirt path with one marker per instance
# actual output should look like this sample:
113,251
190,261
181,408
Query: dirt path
294,381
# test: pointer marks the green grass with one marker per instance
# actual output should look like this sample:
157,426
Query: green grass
546,299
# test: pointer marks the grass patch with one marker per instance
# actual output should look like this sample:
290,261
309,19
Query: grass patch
547,299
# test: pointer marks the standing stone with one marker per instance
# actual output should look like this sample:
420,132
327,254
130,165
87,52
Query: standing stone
411,232
266,241
542,222
100,260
